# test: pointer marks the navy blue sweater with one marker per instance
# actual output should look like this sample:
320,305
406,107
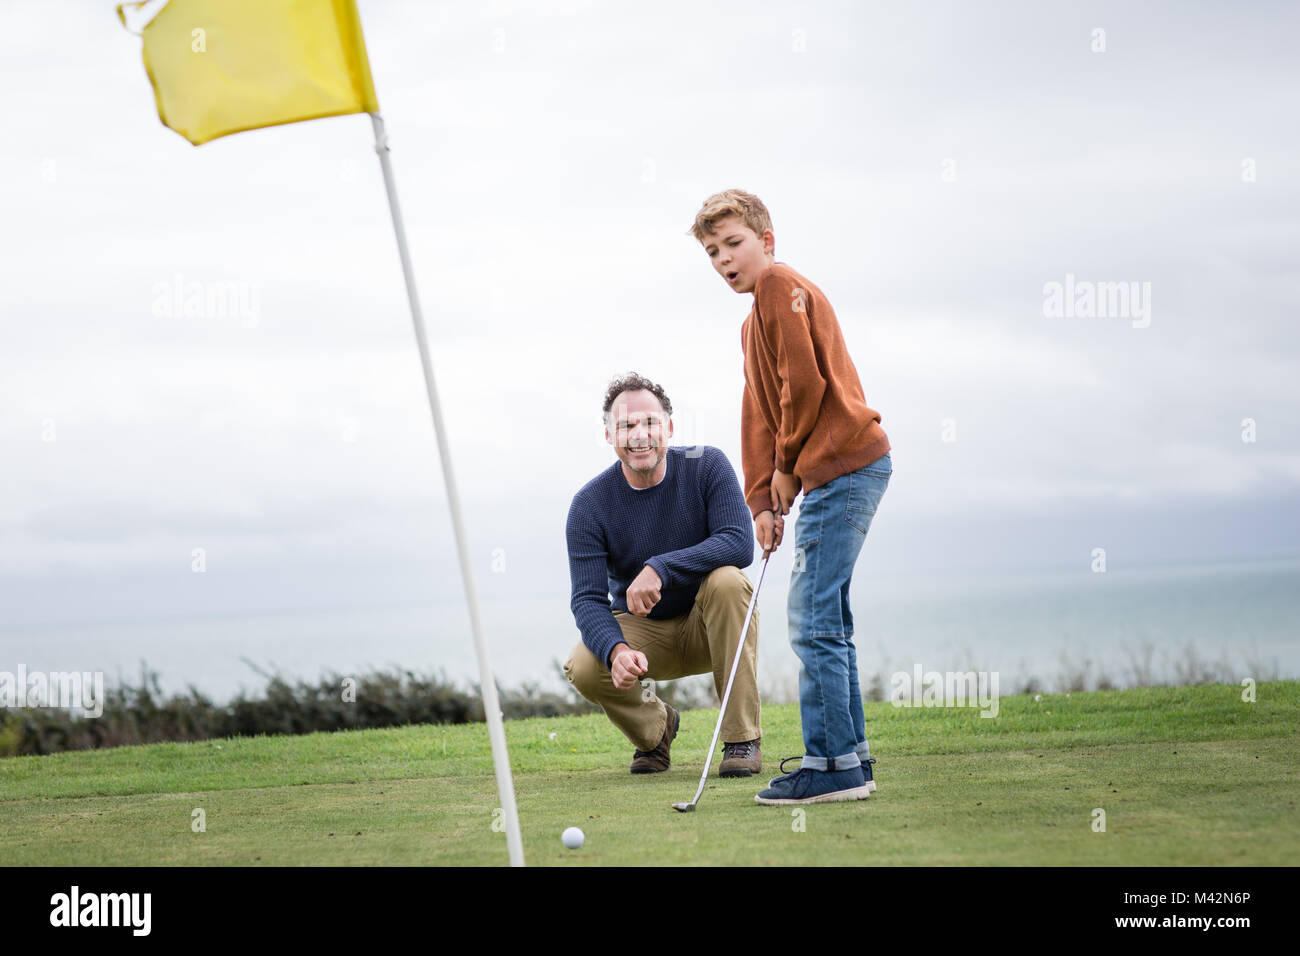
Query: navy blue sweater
691,523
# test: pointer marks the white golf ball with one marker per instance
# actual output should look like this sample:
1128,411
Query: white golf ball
572,838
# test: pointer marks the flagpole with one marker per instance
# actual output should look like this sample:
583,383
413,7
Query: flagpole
491,704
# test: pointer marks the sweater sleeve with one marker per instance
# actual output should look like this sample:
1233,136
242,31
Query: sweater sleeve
729,526
757,454
589,579
783,305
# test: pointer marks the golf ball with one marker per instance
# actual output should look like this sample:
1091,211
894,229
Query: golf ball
572,838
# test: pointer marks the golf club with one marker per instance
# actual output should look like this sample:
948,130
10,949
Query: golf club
722,711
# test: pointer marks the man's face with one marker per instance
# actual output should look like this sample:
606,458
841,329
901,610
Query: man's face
737,254
639,431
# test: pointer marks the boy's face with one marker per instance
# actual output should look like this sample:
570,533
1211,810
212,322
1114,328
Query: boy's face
737,253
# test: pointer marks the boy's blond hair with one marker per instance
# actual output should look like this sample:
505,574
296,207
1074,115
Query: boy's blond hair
731,202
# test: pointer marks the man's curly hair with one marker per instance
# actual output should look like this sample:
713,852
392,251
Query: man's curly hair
632,382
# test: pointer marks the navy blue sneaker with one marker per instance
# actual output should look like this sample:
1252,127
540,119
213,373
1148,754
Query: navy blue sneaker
784,774
815,786
869,783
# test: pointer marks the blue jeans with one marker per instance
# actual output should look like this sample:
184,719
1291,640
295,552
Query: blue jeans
833,523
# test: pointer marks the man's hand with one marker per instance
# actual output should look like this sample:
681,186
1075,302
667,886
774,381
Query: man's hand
785,488
643,592
626,666
769,528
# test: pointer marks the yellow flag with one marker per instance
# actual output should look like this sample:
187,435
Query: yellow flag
223,66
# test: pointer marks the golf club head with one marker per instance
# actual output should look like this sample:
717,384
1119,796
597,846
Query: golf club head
683,807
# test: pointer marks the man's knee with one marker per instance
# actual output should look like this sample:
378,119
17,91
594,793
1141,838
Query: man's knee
728,580
583,670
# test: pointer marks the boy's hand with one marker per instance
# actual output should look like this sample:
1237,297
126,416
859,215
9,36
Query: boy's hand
785,488
643,592
769,529
626,666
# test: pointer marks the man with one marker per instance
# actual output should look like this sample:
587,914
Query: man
664,532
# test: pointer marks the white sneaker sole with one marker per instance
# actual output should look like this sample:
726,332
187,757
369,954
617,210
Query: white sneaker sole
837,796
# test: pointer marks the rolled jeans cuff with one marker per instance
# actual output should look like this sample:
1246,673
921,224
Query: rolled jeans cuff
845,762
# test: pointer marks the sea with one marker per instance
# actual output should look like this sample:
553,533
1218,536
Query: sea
1046,630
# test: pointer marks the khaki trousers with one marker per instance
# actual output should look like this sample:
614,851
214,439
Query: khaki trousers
700,642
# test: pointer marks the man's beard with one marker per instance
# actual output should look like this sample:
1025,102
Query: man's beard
648,469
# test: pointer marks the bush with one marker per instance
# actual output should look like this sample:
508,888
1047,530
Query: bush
143,714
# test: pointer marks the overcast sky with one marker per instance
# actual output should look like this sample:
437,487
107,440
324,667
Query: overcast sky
932,167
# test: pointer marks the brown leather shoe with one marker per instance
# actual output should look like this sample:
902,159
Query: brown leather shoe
656,761
741,760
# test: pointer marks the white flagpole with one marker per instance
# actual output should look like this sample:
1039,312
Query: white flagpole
491,705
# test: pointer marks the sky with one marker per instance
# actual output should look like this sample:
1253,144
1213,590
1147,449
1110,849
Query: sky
934,168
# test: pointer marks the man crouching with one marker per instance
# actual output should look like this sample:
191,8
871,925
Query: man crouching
664,532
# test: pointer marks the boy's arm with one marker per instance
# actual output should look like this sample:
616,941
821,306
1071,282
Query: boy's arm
783,306
729,527
589,577
757,455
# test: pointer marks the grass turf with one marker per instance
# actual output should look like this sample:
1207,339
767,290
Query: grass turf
1185,776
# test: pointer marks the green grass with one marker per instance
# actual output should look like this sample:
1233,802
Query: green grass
1185,775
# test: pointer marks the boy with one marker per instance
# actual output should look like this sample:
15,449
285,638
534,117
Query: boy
805,425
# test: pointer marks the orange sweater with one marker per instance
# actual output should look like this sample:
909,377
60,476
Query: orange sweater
804,412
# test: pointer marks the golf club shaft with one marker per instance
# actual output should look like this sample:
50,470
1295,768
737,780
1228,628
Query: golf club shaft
735,664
